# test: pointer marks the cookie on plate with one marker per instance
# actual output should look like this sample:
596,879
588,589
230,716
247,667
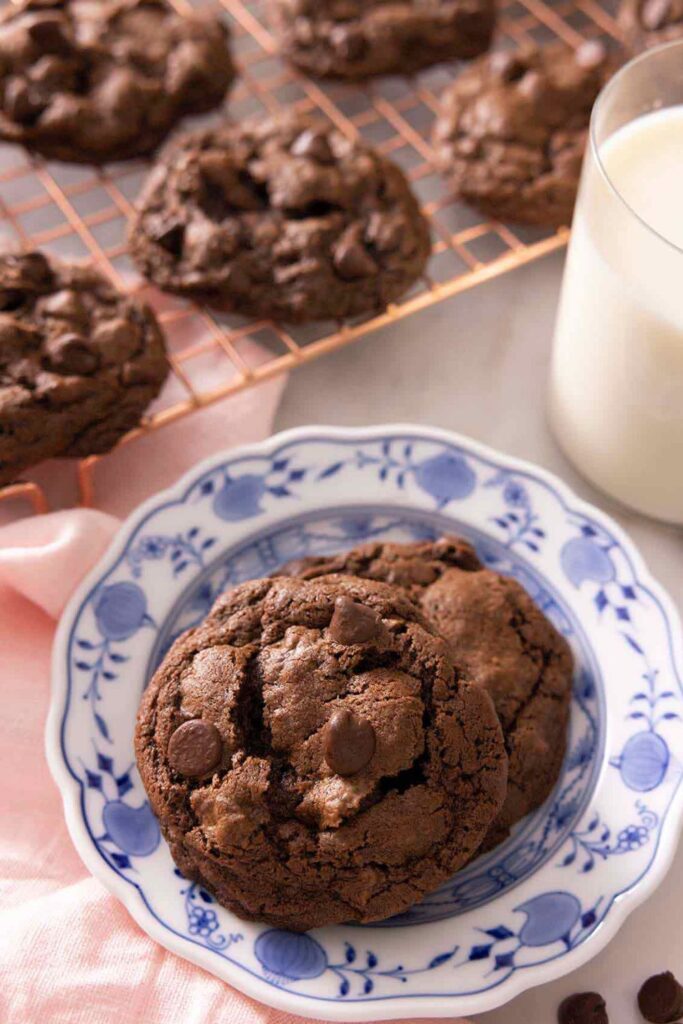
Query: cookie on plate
79,362
91,82
498,637
312,755
513,128
651,22
279,218
357,38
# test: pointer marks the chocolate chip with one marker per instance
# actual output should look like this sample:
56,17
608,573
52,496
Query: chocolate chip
655,14
507,66
583,1008
349,743
533,86
348,42
195,748
661,999
19,101
385,233
313,144
353,623
70,353
47,32
117,340
52,72
353,261
591,55
169,236
64,305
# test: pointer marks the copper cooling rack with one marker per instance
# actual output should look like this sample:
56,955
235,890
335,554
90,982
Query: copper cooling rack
81,213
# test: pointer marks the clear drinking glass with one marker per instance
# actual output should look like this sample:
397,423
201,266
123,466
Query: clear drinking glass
616,392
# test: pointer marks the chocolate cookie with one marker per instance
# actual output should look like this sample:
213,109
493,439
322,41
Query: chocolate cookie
499,638
95,81
513,129
79,362
358,38
651,22
279,218
313,757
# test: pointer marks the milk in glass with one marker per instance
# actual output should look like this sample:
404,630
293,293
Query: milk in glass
617,375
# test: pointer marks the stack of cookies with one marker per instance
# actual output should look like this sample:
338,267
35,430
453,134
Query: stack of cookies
334,742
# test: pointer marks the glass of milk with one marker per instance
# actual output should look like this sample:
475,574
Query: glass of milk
617,371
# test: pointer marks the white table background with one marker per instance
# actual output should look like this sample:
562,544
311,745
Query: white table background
478,364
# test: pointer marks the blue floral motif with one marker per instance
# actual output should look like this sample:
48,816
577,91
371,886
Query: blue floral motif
588,558
595,843
645,757
519,522
120,610
584,559
448,477
551,917
183,550
202,919
133,831
289,957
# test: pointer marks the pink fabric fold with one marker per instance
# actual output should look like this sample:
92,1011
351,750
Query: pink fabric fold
69,952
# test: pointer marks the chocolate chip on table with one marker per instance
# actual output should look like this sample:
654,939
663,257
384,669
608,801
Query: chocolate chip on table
349,743
195,748
353,623
583,1008
660,999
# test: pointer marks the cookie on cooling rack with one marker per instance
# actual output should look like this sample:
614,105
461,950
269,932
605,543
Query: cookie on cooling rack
91,82
513,128
651,22
313,757
79,362
279,218
358,38
498,637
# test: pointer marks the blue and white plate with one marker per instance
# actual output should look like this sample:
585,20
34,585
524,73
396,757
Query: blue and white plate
544,902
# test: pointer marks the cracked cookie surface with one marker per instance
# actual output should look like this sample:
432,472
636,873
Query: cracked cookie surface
97,80
79,362
355,39
513,128
279,218
498,637
355,770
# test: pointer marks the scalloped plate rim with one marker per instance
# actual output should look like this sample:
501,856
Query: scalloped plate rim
399,1007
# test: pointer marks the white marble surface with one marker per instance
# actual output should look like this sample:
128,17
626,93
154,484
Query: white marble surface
478,364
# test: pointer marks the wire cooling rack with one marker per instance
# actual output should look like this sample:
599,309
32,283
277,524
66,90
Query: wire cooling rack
81,213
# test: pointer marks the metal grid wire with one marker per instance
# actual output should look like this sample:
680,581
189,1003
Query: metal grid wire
81,213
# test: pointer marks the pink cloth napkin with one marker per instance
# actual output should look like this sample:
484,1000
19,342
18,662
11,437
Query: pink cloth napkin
69,952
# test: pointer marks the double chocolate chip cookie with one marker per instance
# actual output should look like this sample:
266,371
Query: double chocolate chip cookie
499,638
79,362
651,22
358,38
279,218
513,128
312,755
95,81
